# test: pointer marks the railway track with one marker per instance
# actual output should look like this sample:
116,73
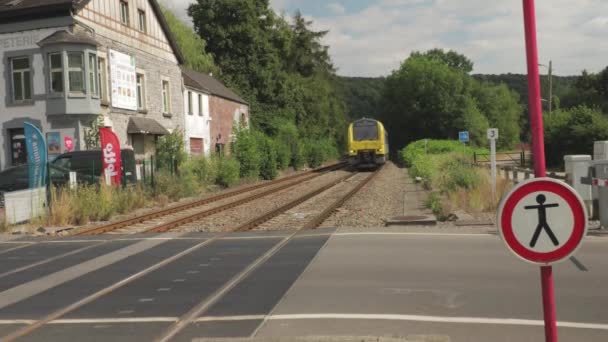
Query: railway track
205,304
171,218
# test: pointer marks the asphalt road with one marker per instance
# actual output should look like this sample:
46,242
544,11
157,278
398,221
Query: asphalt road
377,283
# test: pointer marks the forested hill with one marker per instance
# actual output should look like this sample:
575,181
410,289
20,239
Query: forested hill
362,95
562,85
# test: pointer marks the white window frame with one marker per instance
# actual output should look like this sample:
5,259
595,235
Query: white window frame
200,105
22,73
53,70
93,74
166,96
80,69
102,77
124,12
190,103
141,90
142,20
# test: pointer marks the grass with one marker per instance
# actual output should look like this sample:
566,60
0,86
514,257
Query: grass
455,182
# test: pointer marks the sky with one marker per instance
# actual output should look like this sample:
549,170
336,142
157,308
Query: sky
371,38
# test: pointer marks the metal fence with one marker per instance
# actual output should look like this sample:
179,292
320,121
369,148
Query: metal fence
520,158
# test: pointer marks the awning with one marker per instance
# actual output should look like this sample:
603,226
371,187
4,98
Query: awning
146,126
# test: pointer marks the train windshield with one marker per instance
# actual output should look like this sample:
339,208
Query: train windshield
365,130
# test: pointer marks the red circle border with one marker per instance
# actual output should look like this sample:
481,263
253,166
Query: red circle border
542,185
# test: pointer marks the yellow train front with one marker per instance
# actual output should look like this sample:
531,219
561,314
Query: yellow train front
367,143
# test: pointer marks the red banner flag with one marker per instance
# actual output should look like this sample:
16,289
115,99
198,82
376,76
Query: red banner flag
111,162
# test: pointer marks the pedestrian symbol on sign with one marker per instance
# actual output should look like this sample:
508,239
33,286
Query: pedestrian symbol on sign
542,220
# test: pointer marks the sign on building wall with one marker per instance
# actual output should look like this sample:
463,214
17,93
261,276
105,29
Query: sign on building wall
124,80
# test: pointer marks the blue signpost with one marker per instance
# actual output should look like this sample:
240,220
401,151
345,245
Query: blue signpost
463,137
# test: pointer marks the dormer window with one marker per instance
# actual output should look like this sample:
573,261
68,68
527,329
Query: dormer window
124,12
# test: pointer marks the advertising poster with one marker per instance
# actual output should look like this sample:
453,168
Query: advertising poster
53,143
124,80
68,142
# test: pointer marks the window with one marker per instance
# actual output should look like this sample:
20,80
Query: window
124,12
141,20
76,72
102,77
166,105
190,103
56,72
141,92
200,105
93,82
22,82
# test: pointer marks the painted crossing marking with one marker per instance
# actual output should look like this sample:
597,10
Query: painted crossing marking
334,316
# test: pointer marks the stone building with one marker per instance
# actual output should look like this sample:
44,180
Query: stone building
67,63
226,109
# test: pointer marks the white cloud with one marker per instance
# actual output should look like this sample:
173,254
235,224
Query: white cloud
374,40
336,8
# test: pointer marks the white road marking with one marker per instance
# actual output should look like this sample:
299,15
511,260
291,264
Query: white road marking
415,234
192,272
291,317
179,280
204,265
163,289
146,300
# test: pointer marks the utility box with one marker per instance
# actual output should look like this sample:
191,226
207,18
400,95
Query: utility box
601,172
577,167
600,150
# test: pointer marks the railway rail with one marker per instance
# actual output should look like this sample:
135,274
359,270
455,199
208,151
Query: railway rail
184,209
206,303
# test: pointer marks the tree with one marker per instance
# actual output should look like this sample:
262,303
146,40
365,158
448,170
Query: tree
573,132
425,98
451,58
191,45
501,107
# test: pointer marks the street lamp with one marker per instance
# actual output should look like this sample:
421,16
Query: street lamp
550,67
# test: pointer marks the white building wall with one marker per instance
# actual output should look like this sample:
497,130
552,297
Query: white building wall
197,125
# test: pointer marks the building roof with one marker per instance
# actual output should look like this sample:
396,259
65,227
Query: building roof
208,84
18,10
145,126
65,37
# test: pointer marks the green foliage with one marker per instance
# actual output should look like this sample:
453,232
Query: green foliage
573,132
191,45
170,151
228,170
434,203
280,66
361,95
175,188
268,149
283,154
247,151
458,174
436,86
451,58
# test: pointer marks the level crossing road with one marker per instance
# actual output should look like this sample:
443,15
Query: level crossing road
180,287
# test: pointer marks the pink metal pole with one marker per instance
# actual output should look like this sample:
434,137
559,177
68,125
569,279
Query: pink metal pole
538,149
536,110
549,303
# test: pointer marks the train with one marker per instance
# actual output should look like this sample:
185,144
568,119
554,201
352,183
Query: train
367,143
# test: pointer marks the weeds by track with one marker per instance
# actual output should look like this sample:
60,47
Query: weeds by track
181,220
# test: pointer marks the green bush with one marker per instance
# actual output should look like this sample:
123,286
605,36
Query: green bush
458,174
177,187
298,157
246,149
204,169
268,169
228,170
283,154
170,151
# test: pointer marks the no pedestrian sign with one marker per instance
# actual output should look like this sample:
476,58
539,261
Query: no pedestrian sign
542,221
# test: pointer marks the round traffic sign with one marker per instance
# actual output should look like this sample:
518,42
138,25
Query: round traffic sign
542,221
